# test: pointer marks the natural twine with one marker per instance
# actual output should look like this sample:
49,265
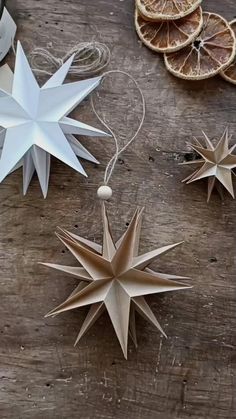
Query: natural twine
112,162
90,58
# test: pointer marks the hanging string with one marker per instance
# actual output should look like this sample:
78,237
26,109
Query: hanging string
118,151
90,59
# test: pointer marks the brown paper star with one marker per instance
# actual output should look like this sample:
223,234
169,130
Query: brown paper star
115,278
216,164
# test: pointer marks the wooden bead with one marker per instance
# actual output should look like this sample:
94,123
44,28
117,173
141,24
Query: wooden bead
104,192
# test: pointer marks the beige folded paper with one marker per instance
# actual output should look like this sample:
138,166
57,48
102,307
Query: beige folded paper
115,278
216,164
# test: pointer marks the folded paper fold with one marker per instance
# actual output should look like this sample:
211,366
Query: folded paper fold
7,33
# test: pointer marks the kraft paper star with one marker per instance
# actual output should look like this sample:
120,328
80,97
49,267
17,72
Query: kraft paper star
217,164
36,124
115,278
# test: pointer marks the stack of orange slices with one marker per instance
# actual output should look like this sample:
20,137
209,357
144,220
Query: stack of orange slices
196,45
230,73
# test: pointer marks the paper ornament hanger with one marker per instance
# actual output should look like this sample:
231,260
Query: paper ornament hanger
36,124
7,33
115,278
216,164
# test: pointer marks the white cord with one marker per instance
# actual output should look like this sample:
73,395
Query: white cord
112,162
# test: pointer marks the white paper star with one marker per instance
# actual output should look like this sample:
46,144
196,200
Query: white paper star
35,121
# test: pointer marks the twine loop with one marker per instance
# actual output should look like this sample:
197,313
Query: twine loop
90,59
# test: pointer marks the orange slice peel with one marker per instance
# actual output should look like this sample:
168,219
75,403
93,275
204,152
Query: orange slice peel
166,9
211,53
169,36
230,73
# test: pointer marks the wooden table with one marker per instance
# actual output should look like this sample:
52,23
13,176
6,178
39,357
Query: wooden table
192,373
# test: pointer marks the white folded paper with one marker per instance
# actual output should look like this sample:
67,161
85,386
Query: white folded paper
35,121
7,33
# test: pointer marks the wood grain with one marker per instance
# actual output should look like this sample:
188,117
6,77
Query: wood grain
192,373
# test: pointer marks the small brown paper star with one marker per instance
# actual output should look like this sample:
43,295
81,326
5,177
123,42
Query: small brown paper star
115,278
216,164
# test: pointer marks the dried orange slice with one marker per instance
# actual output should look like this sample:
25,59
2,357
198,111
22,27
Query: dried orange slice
212,51
166,9
230,73
169,36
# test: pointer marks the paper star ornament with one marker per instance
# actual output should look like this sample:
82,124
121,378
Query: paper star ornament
216,164
115,278
35,121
